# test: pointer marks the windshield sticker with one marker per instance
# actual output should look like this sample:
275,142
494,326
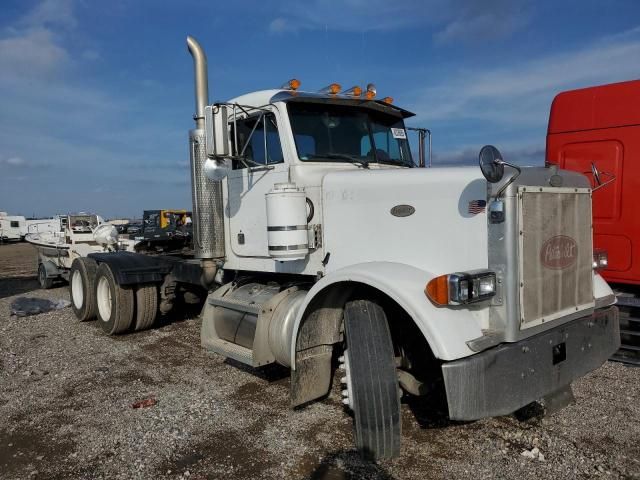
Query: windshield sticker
399,133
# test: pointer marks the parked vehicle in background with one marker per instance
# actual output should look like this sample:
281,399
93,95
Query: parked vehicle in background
165,231
134,229
122,228
11,227
79,235
42,225
318,242
596,131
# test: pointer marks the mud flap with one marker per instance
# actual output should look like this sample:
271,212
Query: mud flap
312,377
558,400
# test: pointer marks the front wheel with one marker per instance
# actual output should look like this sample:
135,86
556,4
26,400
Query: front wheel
371,382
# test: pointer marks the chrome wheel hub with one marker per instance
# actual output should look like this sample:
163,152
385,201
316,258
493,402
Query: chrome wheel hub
347,386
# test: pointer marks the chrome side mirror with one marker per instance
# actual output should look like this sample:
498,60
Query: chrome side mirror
216,131
216,170
491,163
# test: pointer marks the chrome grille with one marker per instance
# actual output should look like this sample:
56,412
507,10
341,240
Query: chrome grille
555,252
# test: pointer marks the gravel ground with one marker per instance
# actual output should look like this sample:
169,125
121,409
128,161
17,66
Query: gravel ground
66,395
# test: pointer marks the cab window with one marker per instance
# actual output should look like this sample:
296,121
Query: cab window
387,146
254,134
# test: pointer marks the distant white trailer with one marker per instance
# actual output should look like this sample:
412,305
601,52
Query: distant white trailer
11,228
42,225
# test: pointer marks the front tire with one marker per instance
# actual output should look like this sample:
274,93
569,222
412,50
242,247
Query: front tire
82,277
371,382
115,303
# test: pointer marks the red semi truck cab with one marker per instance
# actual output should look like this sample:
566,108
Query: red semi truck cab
600,127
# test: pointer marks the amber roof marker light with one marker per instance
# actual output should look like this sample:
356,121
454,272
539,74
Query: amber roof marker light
293,84
371,91
332,89
354,91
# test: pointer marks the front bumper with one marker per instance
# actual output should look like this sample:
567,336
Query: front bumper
505,378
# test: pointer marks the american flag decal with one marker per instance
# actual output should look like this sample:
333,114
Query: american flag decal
477,206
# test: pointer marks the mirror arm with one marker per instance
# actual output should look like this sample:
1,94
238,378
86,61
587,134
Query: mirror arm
511,180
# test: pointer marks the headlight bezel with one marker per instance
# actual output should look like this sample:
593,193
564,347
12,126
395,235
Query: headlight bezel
462,288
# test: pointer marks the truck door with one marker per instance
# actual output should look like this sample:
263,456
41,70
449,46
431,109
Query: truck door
607,157
261,166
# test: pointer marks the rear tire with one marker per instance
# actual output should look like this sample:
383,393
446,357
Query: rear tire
146,306
82,290
115,302
45,282
372,381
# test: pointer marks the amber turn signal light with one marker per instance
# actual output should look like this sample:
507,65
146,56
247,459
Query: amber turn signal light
438,290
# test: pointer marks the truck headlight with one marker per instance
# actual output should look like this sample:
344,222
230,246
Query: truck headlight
600,259
461,288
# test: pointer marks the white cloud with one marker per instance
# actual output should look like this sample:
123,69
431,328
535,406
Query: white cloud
522,92
15,161
280,25
480,28
350,15
32,49
31,54
90,55
470,20
56,13
451,20
521,155
509,105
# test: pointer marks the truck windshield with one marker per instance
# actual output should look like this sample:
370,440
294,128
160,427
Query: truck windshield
342,133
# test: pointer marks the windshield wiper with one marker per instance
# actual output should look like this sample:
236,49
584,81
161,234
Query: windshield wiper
342,156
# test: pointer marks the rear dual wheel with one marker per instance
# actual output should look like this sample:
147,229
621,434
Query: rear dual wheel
115,302
146,306
123,307
82,277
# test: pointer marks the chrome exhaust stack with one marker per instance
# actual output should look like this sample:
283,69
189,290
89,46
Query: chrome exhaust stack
206,195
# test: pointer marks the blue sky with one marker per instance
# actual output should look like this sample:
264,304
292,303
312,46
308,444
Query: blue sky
97,97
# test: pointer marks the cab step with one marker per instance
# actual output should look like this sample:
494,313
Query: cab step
629,307
231,350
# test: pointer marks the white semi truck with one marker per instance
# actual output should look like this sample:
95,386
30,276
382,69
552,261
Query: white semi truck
320,245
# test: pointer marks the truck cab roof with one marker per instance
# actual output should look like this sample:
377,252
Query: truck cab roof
261,98
603,106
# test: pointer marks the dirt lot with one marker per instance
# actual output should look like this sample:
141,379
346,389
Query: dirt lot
66,392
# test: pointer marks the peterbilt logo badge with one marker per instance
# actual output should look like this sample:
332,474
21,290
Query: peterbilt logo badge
559,252
402,210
